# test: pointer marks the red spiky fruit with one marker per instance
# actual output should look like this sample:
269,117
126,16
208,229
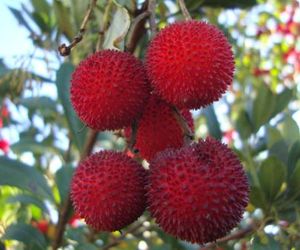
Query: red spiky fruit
108,190
199,192
109,90
190,64
158,128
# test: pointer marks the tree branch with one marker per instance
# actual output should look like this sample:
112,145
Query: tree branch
235,236
65,50
151,9
67,207
118,240
188,134
184,10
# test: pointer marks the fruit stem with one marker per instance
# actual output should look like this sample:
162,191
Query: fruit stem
132,139
184,10
151,9
65,50
188,134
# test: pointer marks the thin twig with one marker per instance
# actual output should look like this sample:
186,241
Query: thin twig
188,134
137,28
235,236
151,9
118,240
184,10
67,207
65,50
132,139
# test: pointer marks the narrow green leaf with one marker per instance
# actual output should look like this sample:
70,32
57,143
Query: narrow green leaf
63,78
41,6
42,102
19,16
271,175
243,124
212,122
63,17
289,130
294,181
273,136
263,107
282,100
293,157
28,200
63,180
118,28
17,174
27,234
257,197
30,145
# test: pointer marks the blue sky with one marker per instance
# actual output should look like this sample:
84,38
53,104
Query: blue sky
14,38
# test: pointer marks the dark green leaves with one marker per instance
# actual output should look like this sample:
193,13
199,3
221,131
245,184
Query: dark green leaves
15,173
271,176
27,234
63,179
63,78
212,122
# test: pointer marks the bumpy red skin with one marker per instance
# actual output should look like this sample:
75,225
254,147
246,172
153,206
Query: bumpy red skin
109,90
197,193
158,129
190,64
108,190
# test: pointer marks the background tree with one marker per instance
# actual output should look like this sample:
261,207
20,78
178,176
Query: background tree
42,140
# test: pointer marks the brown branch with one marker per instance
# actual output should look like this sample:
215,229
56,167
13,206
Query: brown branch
151,10
188,134
235,236
65,50
184,10
132,139
118,240
67,207
137,29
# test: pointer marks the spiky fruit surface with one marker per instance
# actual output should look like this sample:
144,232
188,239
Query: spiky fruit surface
108,190
190,64
109,89
199,192
158,129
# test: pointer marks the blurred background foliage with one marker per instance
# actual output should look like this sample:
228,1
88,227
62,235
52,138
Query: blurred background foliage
41,139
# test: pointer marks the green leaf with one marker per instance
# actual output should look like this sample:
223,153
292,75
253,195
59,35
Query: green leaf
243,124
63,78
19,16
263,107
293,157
289,130
17,174
118,29
273,135
212,122
257,197
282,100
265,243
271,175
63,178
294,181
30,145
27,234
63,17
280,150
27,200
42,102
41,6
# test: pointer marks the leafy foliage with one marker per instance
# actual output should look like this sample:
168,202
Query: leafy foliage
258,118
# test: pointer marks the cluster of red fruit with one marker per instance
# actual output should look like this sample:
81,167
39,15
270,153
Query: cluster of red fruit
195,191
4,114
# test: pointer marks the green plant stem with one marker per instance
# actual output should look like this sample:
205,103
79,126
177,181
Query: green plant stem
251,165
184,10
67,206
